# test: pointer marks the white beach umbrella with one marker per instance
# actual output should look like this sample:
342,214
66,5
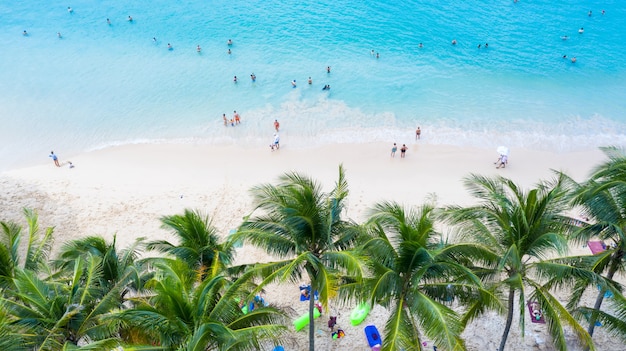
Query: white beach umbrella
503,150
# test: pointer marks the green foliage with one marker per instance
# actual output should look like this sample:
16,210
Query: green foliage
417,274
302,225
522,229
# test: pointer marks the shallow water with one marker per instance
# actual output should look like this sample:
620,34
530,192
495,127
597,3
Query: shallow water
101,84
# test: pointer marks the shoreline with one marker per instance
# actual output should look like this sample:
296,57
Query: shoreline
162,179
123,191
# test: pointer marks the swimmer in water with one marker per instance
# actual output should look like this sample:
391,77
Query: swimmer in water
154,40
453,41
326,87
198,48
421,45
573,59
253,77
235,79
603,12
564,56
25,33
372,53
169,46
59,35
229,42
69,9
130,19
377,55
108,21
293,83
581,30
310,81
327,69
486,45
565,37
589,14
229,52
479,46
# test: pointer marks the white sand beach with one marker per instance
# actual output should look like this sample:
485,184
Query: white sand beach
124,190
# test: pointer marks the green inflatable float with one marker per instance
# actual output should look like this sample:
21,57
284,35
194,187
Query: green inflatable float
359,313
303,320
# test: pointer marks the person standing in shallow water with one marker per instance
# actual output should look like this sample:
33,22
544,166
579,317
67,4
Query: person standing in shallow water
418,133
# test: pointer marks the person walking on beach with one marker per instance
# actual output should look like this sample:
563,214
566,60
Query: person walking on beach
418,133
393,150
276,141
403,151
276,125
54,158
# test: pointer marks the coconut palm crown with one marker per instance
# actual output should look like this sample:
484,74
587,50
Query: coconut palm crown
303,227
524,230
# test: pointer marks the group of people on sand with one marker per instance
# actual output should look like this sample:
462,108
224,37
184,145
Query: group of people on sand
404,148
233,121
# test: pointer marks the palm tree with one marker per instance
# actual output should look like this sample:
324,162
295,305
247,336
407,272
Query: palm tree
54,312
186,313
416,274
303,227
118,267
522,229
37,248
199,245
602,199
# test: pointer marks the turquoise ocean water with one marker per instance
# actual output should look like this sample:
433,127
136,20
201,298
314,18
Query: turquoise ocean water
100,85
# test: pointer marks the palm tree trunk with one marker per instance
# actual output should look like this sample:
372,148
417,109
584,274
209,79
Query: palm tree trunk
509,319
311,319
596,307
